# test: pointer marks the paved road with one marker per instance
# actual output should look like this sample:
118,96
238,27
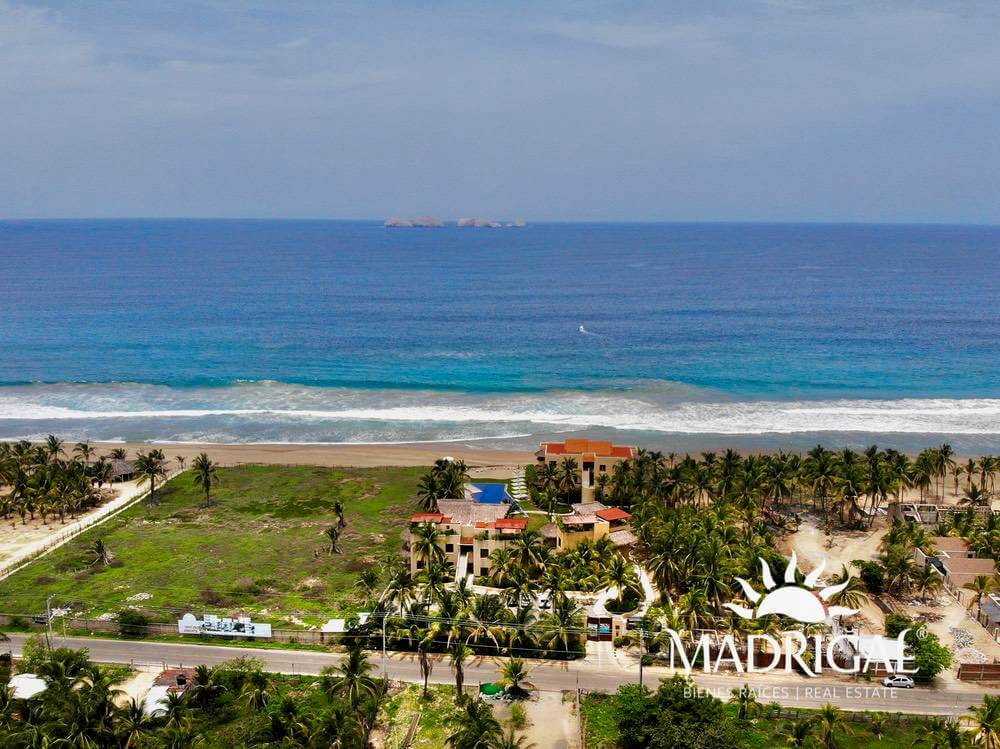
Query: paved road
607,675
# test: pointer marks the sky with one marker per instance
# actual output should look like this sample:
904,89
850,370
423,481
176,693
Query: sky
755,110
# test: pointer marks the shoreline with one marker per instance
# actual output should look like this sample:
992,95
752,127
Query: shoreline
348,456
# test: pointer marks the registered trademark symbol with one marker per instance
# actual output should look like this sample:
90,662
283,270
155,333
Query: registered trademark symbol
921,633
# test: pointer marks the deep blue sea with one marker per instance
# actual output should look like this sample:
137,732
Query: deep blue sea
680,336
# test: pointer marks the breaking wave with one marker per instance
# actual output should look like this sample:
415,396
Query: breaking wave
275,411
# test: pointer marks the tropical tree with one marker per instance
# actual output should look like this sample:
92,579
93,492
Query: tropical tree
745,700
475,728
981,586
205,475
333,533
350,679
151,467
985,720
829,720
460,653
513,674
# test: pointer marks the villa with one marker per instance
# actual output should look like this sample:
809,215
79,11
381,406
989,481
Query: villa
594,458
589,521
471,530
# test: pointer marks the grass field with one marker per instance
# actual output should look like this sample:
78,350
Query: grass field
763,733
437,713
258,549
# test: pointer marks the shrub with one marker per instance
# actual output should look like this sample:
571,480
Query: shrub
132,623
518,716
896,623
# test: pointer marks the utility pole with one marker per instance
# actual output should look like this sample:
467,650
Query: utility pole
642,637
385,671
48,622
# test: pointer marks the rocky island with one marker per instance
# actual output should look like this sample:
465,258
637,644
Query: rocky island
424,222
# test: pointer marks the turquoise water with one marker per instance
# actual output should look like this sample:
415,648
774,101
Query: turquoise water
313,331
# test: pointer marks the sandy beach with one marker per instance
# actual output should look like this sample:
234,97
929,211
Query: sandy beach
357,456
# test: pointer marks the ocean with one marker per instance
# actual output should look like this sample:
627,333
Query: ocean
673,336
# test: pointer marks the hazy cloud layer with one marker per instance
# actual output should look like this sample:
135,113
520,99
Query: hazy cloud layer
576,110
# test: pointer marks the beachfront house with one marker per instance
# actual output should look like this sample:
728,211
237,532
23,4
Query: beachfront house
589,521
470,532
594,458
945,547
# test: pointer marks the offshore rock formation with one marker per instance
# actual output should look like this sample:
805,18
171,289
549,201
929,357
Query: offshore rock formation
479,223
425,222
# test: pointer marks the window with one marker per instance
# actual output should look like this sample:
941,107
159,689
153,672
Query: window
449,548
484,571
420,564
603,468
484,553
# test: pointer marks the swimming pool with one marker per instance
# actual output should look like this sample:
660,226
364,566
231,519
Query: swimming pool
490,494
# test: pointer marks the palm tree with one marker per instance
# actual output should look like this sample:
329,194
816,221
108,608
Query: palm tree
84,451
798,732
460,653
982,586
205,475
369,581
255,691
133,724
746,701
828,720
927,580
621,575
510,740
338,510
513,674
333,533
102,554
426,665
560,629
986,722
118,453
877,724
150,468
974,496
350,679
854,594
180,460
426,540
475,728
53,448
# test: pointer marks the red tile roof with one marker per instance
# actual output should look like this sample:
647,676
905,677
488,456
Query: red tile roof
427,517
583,447
510,524
613,513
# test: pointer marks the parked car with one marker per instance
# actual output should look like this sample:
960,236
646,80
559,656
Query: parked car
899,681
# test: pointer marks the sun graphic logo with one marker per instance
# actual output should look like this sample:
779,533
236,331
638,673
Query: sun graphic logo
799,602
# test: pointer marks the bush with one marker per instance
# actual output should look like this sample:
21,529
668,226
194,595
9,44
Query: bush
518,716
872,575
896,623
616,606
132,623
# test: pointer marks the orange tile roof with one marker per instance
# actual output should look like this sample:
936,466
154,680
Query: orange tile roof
585,447
613,513
427,517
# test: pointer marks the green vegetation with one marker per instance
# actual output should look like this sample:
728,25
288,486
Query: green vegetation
248,539
674,716
51,479
235,704
436,712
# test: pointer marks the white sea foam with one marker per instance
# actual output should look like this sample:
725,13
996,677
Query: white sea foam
294,408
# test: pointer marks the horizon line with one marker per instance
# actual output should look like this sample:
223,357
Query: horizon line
451,222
